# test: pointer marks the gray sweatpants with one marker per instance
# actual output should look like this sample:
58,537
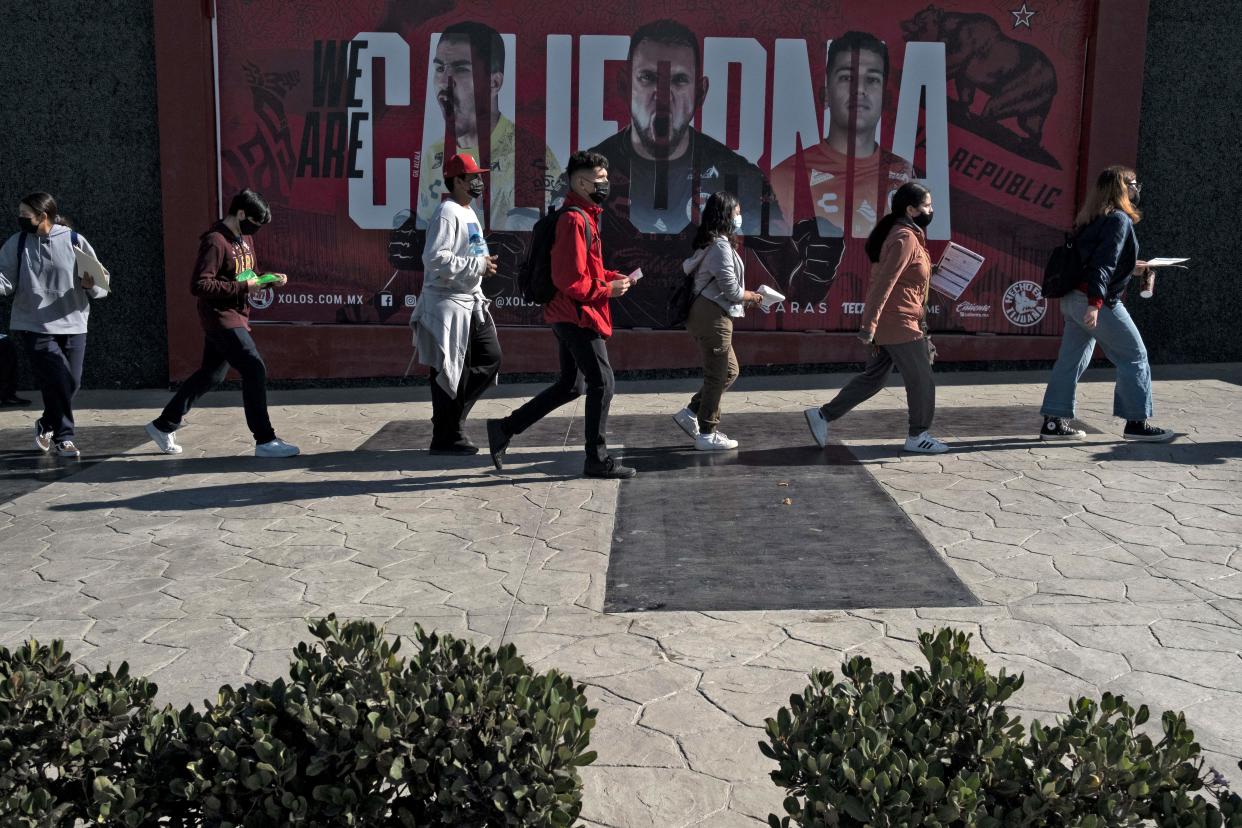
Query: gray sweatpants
913,360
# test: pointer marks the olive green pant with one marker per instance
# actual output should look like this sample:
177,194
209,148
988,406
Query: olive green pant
712,329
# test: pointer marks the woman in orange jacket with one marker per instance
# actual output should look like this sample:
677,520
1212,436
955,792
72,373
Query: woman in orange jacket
894,322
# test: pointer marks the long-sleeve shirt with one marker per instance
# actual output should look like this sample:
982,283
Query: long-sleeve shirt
719,275
43,277
452,296
897,296
222,300
1111,251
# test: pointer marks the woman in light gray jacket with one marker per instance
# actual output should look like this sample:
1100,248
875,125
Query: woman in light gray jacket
51,306
720,297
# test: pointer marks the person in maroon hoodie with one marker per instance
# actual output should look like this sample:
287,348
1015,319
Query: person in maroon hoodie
227,250
581,318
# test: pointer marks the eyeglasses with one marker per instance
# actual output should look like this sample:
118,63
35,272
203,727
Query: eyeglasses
1138,188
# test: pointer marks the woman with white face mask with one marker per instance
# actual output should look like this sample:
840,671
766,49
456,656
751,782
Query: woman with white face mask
720,297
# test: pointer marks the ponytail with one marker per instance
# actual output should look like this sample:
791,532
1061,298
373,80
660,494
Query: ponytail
45,204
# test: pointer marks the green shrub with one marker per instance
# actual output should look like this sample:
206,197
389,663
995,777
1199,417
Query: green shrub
81,746
359,736
939,748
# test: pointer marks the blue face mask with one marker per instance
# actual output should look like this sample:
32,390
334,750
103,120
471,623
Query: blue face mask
737,224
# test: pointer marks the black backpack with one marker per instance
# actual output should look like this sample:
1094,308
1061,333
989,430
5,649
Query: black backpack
680,300
535,275
1064,270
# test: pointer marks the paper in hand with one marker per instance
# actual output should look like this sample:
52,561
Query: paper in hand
88,265
957,269
770,297
1167,262
636,275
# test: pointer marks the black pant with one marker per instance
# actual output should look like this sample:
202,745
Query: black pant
8,368
448,414
56,360
222,348
584,367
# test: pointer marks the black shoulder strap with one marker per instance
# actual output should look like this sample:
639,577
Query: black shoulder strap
587,218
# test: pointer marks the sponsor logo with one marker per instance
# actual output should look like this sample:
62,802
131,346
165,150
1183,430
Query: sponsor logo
1024,304
969,310
712,172
827,204
411,300
853,308
262,300
867,211
819,177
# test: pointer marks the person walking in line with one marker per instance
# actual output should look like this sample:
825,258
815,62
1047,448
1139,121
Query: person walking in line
720,297
51,308
226,251
581,318
894,322
1094,313
453,330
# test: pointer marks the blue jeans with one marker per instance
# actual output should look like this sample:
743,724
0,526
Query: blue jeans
1120,342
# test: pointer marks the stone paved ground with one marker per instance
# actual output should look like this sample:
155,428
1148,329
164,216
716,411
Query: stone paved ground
1101,566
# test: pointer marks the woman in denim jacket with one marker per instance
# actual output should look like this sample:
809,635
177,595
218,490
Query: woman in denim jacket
1094,313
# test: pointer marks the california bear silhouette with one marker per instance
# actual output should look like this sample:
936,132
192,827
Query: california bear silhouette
1018,78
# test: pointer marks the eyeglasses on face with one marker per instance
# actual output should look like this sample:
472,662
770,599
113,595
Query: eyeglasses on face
1138,188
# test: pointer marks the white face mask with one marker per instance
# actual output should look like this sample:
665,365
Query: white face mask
737,223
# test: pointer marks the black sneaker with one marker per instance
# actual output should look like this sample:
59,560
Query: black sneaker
1143,432
1057,429
497,442
460,448
609,469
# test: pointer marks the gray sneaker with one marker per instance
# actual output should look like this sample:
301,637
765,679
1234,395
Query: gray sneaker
818,425
275,448
166,440
66,448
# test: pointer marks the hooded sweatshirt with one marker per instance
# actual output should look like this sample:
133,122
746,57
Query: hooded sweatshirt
719,275
43,278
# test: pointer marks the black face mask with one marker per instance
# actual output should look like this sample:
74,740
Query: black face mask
475,189
27,224
601,192
922,220
248,227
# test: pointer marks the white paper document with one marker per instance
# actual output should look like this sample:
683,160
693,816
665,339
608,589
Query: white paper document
89,265
1167,263
957,269
636,275
770,297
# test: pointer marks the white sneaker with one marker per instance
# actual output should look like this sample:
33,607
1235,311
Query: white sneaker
43,439
688,422
275,448
66,448
715,441
167,441
818,425
925,444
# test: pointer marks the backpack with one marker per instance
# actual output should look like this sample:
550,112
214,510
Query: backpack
1064,271
535,276
681,299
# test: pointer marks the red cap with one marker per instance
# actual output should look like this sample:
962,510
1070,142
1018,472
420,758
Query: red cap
461,164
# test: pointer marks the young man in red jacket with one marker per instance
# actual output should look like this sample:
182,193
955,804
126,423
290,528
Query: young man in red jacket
581,318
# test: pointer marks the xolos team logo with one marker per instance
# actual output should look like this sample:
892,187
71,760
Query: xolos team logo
1024,304
262,300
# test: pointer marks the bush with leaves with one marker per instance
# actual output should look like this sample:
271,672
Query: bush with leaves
82,746
359,736
939,748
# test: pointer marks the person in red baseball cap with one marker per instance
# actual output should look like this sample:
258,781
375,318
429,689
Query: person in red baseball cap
453,329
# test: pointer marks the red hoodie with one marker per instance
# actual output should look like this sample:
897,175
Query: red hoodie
582,282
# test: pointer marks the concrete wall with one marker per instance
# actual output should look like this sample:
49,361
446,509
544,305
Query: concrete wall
78,99
80,87
1190,163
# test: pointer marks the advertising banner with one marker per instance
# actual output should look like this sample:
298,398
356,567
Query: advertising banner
812,112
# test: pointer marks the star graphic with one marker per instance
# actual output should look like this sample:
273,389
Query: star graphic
1022,17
